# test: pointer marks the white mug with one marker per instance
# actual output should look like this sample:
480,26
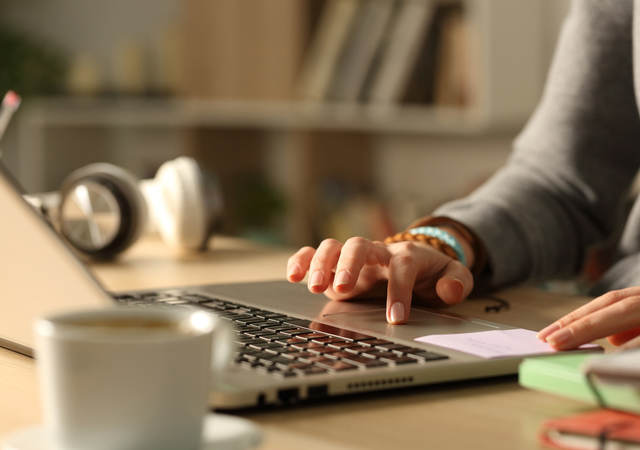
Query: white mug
128,378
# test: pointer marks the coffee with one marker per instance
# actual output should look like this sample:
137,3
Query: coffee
131,324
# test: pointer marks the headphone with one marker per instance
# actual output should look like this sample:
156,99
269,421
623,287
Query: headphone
101,209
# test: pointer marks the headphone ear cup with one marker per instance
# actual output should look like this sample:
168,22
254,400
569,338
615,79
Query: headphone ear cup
179,208
112,188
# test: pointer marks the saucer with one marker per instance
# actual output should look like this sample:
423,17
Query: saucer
220,432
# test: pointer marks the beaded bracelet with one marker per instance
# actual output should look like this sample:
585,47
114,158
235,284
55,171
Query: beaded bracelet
445,237
434,237
480,260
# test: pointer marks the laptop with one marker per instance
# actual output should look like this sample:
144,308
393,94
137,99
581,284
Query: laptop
291,345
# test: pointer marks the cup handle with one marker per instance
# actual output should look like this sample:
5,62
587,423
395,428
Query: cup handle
223,347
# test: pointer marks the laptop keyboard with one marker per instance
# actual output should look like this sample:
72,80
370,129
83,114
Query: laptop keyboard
286,346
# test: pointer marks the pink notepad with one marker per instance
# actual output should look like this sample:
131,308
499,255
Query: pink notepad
494,343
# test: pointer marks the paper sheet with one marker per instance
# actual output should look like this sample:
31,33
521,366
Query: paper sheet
494,343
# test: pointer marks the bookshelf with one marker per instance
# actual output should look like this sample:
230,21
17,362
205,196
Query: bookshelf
245,109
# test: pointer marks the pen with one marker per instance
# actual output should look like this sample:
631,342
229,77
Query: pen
10,104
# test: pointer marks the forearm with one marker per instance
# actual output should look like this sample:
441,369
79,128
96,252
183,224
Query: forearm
563,188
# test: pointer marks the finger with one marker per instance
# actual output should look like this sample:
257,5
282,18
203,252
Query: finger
455,284
623,315
402,277
298,264
594,305
633,343
322,264
355,253
621,338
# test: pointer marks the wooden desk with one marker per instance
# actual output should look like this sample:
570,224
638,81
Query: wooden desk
491,414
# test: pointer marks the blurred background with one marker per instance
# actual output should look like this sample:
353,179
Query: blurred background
318,117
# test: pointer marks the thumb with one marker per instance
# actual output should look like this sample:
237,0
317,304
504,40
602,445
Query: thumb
455,283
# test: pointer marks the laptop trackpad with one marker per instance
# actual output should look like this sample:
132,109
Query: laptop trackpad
368,318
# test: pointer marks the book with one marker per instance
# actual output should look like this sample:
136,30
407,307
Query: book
619,367
364,40
328,40
601,429
455,73
400,55
240,49
564,375
420,85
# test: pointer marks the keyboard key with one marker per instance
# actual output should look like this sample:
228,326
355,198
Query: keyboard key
251,320
281,360
389,347
270,315
259,322
338,366
173,301
277,327
295,331
288,340
321,349
365,362
264,345
393,357
426,355
298,366
357,348
319,359
277,348
324,339
342,344
242,329
196,298
314,370
341,354
245,341
330,340
376,342
274,336
259,333
287,374
215,308
297,322
300,355
307,346
250,355
309,336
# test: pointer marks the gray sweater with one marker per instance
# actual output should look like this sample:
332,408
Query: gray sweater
564,188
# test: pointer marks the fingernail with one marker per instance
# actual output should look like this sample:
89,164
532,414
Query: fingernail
342,278
397,312
459,287
316,279
545,332
294,270
560,337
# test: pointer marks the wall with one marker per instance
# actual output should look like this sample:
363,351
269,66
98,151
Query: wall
95,29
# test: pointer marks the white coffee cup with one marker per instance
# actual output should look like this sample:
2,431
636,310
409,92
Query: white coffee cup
129,378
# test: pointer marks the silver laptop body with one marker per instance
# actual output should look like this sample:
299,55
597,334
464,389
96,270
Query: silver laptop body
39,275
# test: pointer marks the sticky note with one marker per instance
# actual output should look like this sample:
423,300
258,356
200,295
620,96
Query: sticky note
494,343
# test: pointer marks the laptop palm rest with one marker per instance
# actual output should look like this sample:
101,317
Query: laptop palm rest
368,319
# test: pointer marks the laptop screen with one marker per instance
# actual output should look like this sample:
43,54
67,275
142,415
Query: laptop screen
38,273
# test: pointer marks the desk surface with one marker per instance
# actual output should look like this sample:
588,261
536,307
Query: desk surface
491,414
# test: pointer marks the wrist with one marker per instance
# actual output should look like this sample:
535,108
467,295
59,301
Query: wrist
477,253
469,256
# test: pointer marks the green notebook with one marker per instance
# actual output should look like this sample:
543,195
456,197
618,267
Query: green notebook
562,375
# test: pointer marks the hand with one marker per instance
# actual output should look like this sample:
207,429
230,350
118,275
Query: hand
615,314
361,267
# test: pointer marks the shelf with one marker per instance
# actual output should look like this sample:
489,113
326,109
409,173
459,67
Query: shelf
287,116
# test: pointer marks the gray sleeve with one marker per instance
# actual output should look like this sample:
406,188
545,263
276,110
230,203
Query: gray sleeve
562,189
